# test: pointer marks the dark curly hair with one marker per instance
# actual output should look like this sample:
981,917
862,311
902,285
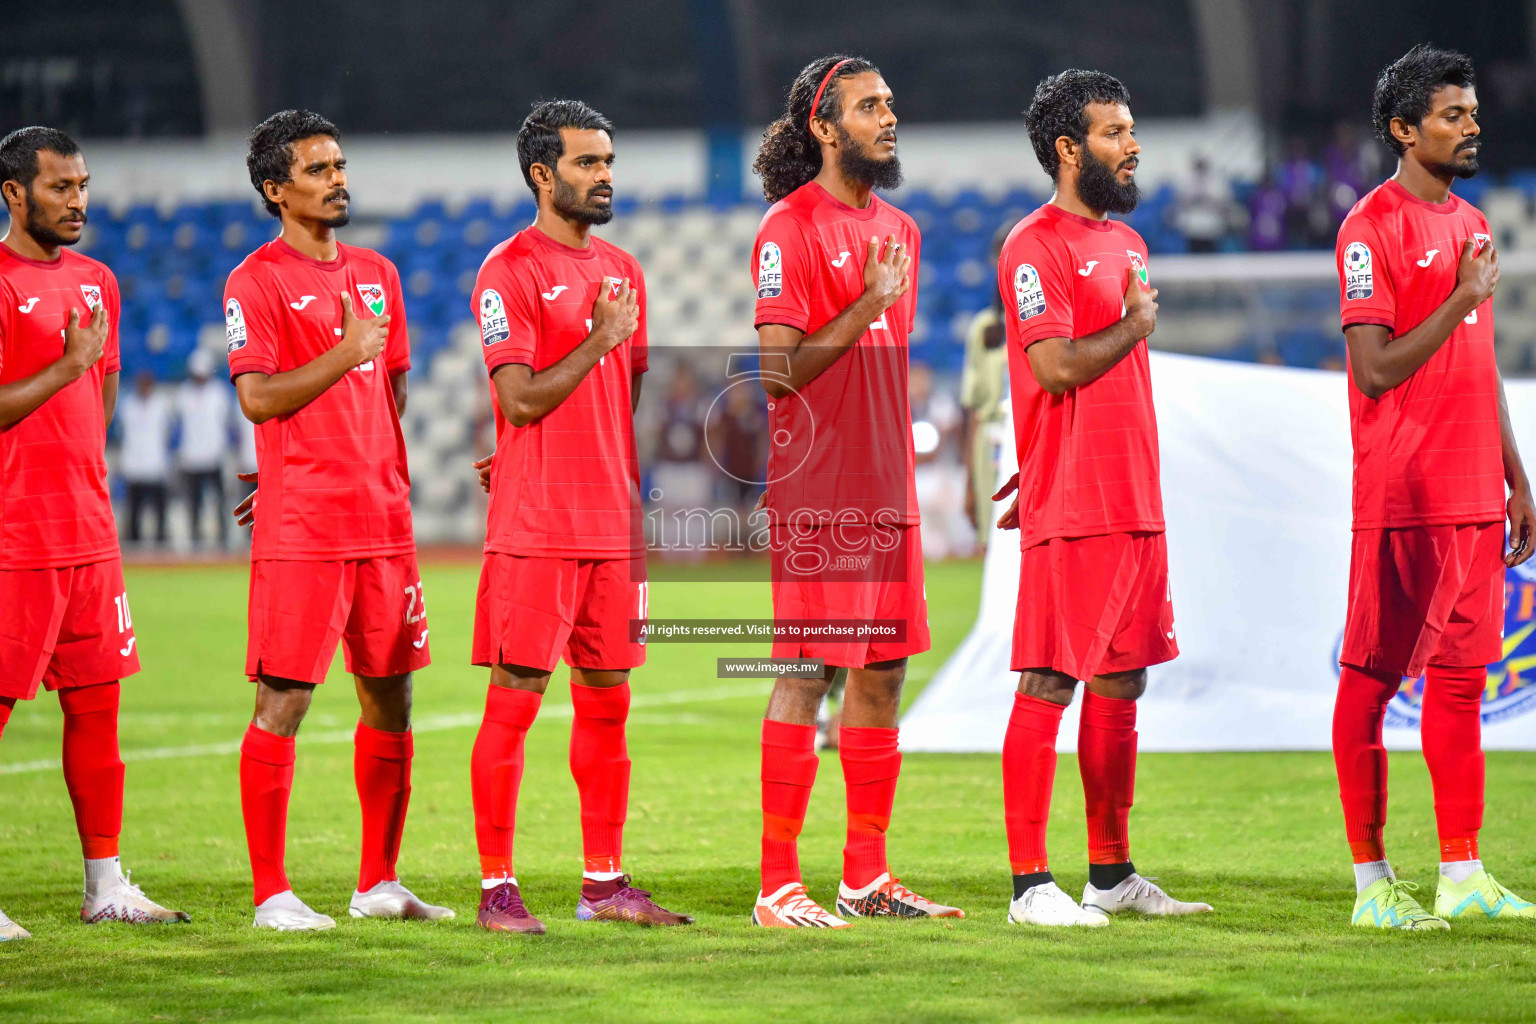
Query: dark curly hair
1060,107
1406,86
790,156
270,157
539,141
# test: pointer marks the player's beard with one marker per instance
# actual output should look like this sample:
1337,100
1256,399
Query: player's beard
569,204
339,220
854,165
1099,189
1457,168
42,233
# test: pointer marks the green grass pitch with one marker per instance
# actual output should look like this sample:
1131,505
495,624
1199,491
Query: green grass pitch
1259,836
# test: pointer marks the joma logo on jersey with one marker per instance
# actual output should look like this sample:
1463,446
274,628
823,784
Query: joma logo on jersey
493,318
770,271
1358,282
373,297
1511,688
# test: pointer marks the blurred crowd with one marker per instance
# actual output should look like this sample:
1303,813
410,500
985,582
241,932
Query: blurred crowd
179,446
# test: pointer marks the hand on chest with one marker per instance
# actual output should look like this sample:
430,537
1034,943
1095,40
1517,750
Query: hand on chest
564,303
39,316
312,311
1099,276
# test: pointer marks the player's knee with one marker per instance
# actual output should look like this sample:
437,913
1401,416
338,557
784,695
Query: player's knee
1047,684
1121,685
281,705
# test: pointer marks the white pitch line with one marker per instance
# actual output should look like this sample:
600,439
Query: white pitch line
429,723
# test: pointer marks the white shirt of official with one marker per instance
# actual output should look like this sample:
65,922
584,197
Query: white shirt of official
146,425
204,411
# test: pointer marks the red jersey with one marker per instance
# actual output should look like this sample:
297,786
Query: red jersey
333,477
1088,461
54,507
566,485
1428,451
843,445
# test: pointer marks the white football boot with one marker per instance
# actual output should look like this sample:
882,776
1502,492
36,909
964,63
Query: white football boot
285,912
1137,895
393,900
115,898
11,930
1046,904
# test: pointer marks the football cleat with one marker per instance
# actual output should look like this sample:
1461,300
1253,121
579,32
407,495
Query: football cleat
1046,904
887,897
1479,896
1387,903
11,930
121,900
502,910
285,912
393,900
628,904
791,907
1138,895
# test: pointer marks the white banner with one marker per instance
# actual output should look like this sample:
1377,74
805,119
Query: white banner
1256,488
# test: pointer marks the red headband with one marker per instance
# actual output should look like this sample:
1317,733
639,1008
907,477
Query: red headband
817,101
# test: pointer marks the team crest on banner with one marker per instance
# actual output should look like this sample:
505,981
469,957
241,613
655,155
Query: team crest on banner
373,297
92,293
1139,265
1511,689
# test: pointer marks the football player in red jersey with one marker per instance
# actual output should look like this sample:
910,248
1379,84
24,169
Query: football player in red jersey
318,352
67,623
834,267
562,321
1434,452
1094,602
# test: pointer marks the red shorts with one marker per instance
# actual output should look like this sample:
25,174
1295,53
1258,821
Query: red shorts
531,611
887,584
64,627
1094,605
1425,595
300,610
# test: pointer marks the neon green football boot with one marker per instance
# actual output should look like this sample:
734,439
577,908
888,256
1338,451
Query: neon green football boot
1479,897
1387,903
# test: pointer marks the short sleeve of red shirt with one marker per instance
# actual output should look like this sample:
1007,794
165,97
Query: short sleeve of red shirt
111,356
1033,270
506,310
782,269
1366,293
397,351
249,327
640,341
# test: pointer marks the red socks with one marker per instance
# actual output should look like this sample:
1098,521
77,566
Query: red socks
871,764
600,765
381,764
789,769
1029,771
1106,758
496,770
266,779
1361,759
1451,730
93,771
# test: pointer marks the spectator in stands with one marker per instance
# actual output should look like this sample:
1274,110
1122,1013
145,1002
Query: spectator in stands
1203,209
203,410
146,418
679,472
983,383
737,428
1266,216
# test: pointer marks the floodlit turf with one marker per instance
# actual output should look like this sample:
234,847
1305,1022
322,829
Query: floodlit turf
1259,836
